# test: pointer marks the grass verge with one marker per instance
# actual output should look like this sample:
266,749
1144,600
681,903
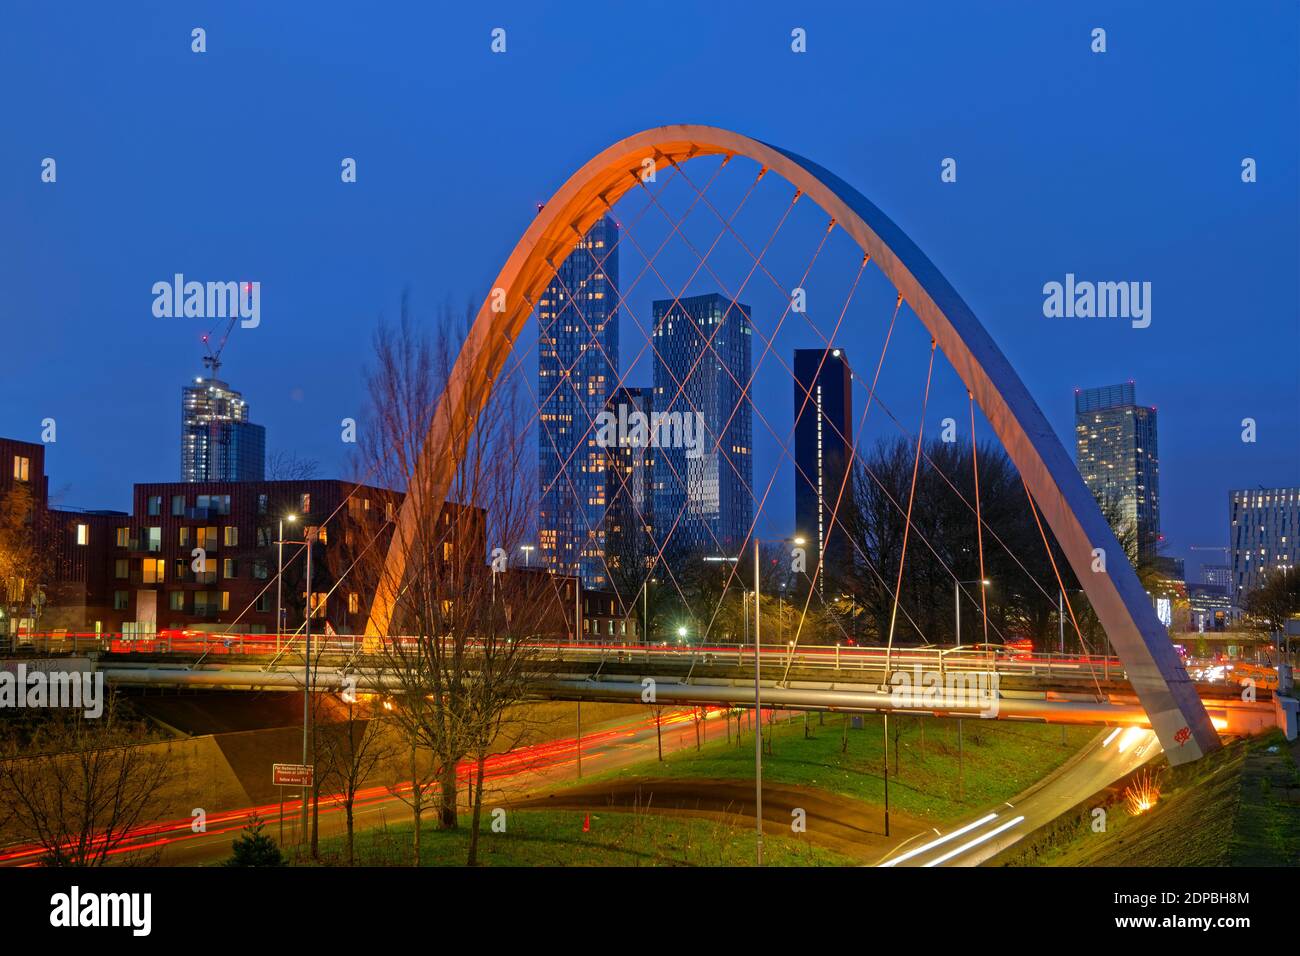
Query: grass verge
1239,806
556,838
930,774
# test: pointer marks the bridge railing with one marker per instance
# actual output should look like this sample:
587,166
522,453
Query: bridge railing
823,659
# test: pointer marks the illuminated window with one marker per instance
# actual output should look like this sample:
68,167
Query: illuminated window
21,468
353,602
232,536
83,534
152,570
318,603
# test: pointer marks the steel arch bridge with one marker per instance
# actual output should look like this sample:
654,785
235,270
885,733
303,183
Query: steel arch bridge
1157,675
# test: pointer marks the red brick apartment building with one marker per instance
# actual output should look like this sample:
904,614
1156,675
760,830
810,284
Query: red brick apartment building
69,585
203,556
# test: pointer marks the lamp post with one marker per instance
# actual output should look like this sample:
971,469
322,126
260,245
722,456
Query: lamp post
780,612
956,600
758,693
645,610
758,713
1060,617
279,581
306,695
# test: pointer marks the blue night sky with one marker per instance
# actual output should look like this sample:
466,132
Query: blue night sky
1117,166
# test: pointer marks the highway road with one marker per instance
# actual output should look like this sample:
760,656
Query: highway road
607,746
982,836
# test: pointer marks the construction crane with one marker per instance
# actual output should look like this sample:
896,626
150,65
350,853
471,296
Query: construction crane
212,357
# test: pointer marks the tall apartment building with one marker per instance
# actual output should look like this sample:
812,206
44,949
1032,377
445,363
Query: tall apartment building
823,444
218,442
629,520
577,369
1263,525
1117,455
704,500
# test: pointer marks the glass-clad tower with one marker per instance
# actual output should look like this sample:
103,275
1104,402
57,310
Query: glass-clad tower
823,447
704,467
577,369
218,442
1115,440
630,546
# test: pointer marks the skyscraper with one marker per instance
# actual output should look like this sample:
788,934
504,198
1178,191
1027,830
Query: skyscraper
577,368
1119,460
704,465
1263,528
1219,575
823,444
218,442
629,522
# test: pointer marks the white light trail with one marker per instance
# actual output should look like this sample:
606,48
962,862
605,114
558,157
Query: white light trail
941,840
975,842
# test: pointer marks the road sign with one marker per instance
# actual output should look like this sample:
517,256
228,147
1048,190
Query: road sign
291,774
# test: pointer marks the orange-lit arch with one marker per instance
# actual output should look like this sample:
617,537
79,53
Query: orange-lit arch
1125,611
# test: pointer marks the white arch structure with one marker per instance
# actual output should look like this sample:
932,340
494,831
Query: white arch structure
1123,607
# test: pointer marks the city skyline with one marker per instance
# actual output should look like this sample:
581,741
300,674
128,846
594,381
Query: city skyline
648,436
321,296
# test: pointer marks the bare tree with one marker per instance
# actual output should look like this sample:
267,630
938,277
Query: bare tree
352,750
24,560
288,466
77,786
464,654
1269,606
420,775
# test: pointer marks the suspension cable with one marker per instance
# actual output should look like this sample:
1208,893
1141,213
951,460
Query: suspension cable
979,521
911,499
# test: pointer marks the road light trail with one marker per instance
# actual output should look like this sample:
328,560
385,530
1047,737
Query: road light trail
940,841
970,844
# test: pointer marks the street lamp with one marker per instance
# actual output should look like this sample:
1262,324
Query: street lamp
758,691
681,634
306,671
645,609
279,580
956,600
